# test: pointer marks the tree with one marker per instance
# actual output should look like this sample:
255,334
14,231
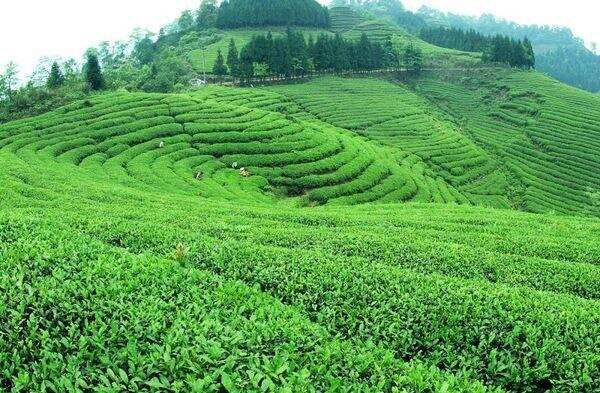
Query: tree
56,78
9,80
219,68
413,59
93,73
364,53
246,65
529,54
206,15
391,57
144,50
185,21
340,58
233,59
261,70
170,72
252,13
41,72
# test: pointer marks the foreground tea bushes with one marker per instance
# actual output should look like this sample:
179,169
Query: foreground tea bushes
519,322
137,255
497,331
79,315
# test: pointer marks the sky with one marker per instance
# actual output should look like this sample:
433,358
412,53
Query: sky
31,29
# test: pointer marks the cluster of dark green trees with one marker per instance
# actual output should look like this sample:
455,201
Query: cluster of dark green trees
94,80
498,49
575,66
294,55
249,13
44,91
564,56
516,53
464,40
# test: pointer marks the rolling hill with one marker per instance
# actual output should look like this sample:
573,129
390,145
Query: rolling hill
559,52
436,232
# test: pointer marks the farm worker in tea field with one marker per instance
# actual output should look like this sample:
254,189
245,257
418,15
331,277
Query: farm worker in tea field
161,144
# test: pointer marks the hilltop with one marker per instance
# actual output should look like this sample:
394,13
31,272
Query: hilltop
430,227
559,52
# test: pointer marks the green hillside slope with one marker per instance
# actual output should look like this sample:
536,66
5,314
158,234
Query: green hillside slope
111,284
543,134
499,139
339,234
344,18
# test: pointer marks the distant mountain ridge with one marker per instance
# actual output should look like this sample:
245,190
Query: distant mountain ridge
559,52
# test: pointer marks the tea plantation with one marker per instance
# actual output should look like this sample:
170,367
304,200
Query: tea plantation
338,235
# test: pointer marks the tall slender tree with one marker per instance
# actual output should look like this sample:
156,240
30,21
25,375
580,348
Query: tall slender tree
56,78
185,21
206,15
9,80
233,59
363,53
93,73
219,68
529,54
246,65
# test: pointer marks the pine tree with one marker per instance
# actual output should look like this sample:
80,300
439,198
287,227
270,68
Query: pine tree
233,59
185,21
363,55
93,73
413,59
246,65
390,54
56,78
219,68
340,58
529,54
206,15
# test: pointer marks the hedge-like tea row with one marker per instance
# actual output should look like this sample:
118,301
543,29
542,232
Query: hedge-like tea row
147,323
129,137
544,134
395,117
129,273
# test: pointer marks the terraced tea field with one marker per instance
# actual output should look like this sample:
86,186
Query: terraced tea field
446,165
158,141
543,134
344,19
137,255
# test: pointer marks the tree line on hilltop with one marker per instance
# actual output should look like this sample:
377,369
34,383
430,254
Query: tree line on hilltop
253,13
497,49
293,55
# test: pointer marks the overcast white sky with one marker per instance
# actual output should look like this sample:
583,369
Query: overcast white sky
31,29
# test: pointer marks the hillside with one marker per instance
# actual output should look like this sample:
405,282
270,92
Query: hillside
559,52
410,231
222,283
516,140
